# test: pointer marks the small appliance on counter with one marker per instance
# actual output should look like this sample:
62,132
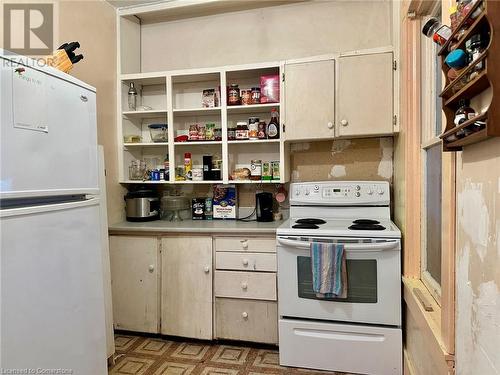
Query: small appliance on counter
142,205
264,206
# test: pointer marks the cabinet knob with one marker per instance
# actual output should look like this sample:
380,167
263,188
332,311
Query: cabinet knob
206,269
330,125
244,244
245,262
244,314
244,286
344,122
151,268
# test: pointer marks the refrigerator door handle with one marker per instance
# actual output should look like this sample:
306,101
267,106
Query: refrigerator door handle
91,201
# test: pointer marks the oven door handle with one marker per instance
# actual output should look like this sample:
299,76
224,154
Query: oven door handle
388,245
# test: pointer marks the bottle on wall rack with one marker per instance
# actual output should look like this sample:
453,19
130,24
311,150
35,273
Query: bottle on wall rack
273,128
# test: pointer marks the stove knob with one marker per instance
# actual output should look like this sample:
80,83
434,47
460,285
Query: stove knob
297,192
307,192
370,192
380,192
358,188
316,187
358,194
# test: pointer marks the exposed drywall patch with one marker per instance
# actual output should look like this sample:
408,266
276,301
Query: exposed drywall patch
337,171
298,147
385,166
474,217
340,145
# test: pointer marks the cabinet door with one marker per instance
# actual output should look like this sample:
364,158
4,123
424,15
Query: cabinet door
134,283
186,297
365,95
309,100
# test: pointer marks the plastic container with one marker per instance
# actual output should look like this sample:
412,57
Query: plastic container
456,59
158,132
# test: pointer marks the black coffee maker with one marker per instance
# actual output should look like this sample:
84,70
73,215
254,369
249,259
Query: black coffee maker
264,206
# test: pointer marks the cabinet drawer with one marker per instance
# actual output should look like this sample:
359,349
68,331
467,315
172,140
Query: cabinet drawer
252,285
245,320
245,261
250,244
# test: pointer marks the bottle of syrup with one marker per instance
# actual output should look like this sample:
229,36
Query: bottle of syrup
273,128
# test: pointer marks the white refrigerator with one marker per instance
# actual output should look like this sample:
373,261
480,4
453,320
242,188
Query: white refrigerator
51,272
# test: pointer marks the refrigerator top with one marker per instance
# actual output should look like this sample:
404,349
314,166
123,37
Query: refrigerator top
37,65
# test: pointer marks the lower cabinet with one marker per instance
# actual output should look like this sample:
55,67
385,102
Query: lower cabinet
167,285
135,283
186,287
246,320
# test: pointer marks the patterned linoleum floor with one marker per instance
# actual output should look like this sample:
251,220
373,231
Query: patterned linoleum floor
137,355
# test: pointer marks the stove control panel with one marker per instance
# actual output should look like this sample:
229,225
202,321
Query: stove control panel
340,193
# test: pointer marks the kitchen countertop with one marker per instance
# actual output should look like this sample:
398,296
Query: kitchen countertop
198,226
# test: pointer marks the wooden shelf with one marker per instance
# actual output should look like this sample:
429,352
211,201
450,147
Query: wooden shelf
447,91
256,141
197,143
154,113
471,89
455,129
444,48
146,144
251,108
196,111
470,139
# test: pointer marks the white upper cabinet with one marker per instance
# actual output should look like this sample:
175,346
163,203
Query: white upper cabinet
309,100
365,95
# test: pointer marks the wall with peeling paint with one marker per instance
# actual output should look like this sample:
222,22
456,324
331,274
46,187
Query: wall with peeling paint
478,260
356,159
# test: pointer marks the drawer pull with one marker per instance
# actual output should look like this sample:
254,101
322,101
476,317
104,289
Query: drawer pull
244,314
244,286
206,269
244,244
245,262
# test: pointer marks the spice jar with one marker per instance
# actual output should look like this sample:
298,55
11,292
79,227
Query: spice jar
255,95
233,95
437,31
256,170
464,112
231,134
193,132
261,130
241,130
475,47
246,97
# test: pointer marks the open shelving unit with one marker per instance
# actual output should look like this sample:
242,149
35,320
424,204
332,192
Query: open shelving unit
473,81
175,98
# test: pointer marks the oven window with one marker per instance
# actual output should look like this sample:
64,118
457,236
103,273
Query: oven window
361,280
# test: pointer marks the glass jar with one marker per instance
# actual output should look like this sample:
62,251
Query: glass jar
246,97
475,47
261,130
241,131
464,112
231,134
435,30
233,95
132,97
255,95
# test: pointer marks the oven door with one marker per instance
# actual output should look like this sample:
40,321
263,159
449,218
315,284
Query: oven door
373,281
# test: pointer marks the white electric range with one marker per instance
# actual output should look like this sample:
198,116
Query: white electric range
334,334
